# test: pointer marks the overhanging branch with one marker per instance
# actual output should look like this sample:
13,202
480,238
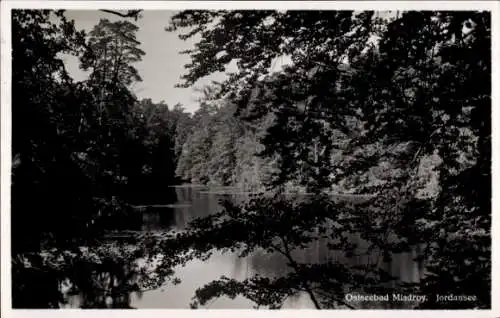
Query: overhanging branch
129,13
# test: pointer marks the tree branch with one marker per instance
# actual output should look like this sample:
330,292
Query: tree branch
130,13
336,299
415,157
295,266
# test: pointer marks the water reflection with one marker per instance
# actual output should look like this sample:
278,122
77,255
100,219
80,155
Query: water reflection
110,275
198,202
158,218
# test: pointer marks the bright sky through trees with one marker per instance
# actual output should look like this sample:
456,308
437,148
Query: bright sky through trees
162,66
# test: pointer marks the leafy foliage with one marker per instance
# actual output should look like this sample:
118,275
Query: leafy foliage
375,90
369,102
78,153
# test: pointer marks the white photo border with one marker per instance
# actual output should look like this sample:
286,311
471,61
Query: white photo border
5,29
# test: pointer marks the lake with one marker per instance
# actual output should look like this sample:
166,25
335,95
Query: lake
184,203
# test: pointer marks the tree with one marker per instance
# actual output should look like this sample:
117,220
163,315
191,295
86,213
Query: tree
193,163
379,84
72,164
156,159
113,50
43,144
183,128
116,46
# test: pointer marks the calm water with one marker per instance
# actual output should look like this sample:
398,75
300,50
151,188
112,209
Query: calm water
186,203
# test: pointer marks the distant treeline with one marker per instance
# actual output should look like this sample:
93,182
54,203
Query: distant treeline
222,149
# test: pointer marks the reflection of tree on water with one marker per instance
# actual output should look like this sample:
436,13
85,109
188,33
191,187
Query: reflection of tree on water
105,277
288,255
101,276
193,203
107,283
239,265
102,284
402,267
158,218
33,287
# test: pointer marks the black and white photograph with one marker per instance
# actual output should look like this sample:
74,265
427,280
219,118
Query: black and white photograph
247,158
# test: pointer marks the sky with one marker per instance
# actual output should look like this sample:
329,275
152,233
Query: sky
162,65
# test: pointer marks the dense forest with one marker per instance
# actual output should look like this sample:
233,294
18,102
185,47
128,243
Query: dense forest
397,107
